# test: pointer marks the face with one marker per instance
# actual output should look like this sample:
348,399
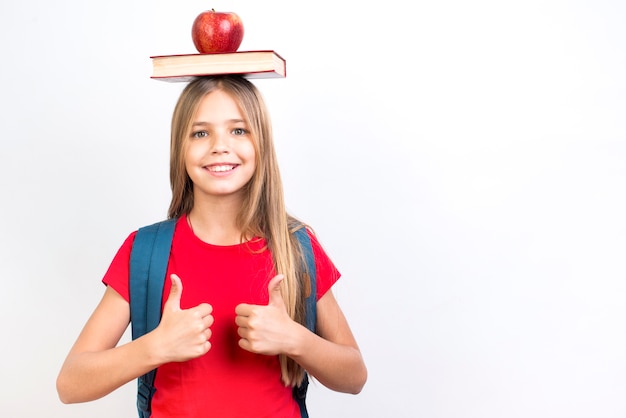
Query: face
220,157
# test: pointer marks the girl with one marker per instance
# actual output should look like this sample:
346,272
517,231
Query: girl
231,341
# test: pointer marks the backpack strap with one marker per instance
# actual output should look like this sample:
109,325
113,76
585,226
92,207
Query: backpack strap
148,267
299,392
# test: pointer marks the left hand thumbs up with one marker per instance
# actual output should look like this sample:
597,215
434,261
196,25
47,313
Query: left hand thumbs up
265,329
273,288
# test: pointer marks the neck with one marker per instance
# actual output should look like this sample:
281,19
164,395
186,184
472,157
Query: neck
215,221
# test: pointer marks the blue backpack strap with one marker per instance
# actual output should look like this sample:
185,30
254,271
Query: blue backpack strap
148,267
299,392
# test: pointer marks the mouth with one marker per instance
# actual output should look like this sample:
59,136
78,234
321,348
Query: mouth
221,168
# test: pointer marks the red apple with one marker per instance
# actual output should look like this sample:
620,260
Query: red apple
217,32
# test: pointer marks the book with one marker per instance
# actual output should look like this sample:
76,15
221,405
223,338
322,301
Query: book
251,64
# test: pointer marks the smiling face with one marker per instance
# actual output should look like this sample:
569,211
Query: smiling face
220,154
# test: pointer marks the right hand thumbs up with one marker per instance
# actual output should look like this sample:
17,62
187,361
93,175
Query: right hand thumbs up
176,291
184,333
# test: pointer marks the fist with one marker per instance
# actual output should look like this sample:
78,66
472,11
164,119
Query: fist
184,333
265,329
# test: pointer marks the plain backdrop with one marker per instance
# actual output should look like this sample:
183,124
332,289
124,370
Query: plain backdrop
462,163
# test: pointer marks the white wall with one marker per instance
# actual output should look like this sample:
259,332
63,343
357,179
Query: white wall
462,162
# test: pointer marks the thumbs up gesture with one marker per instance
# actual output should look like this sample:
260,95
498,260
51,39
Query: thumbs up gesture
266,329
183,333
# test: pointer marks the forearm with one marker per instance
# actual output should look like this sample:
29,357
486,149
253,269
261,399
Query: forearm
86,376
338,367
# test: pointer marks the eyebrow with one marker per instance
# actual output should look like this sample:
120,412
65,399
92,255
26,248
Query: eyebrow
202,123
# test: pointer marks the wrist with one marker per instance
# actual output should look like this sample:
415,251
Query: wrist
298,341
154,353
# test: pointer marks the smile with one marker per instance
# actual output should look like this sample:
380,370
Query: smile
221,168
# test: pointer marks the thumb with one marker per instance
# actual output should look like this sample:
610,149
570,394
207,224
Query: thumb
273,288
176,291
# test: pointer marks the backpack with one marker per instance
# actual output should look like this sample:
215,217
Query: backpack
148,266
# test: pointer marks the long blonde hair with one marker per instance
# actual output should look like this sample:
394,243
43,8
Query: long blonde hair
263,213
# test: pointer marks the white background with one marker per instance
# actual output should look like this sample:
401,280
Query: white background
462,163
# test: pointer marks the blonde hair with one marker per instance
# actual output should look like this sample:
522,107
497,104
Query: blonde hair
263,212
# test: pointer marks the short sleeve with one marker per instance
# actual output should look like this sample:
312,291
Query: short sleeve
118,272
326,272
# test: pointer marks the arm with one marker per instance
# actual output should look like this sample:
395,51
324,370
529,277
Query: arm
95,367
332,357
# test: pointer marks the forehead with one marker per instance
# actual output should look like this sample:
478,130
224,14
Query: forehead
218,106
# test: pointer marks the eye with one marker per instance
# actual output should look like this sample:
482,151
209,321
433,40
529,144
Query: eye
239,131
199,134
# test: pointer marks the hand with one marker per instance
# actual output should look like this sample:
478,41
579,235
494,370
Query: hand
266,329
184,333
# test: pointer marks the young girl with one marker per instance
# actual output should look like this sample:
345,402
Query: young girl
231,341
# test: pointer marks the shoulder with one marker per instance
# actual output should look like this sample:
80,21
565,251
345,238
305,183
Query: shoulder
167,224
163,230
326,271
316,245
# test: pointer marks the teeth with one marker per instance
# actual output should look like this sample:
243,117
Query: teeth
221,168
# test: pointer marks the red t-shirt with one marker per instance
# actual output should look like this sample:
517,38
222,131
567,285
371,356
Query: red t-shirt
227,381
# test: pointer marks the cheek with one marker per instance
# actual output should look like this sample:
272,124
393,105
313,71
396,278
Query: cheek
192,153
253,158
251,153
191,158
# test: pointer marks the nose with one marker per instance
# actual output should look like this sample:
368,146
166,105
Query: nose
219,145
